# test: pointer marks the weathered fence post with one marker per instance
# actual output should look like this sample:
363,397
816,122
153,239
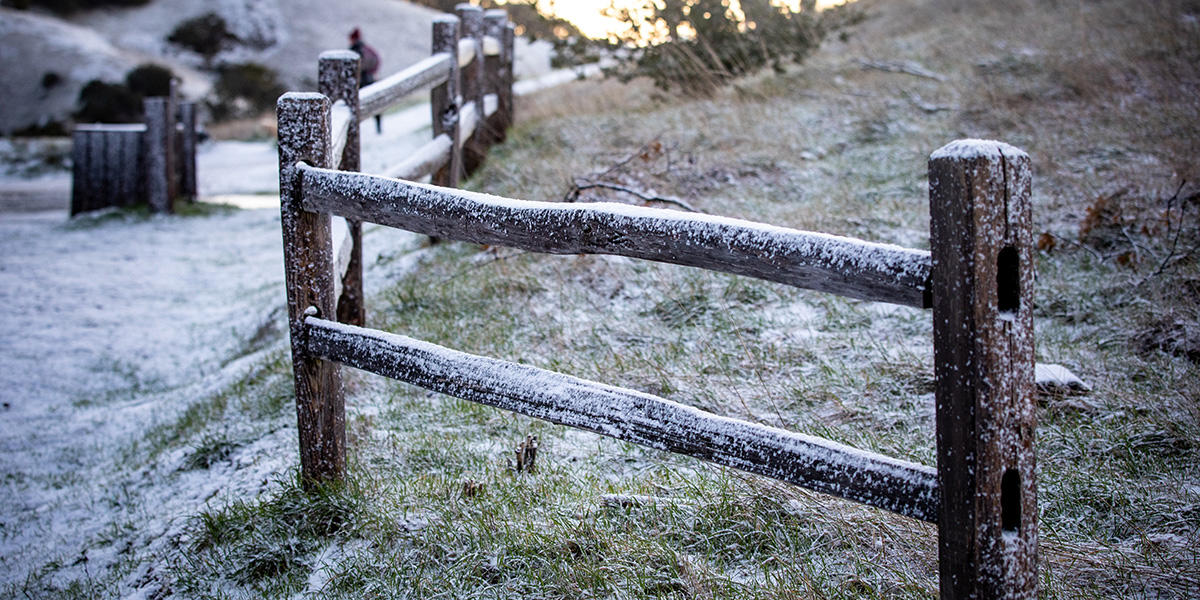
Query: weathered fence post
980,230
472,78
443,100
495,23
338,78
304,135
506,91
160,154
187,150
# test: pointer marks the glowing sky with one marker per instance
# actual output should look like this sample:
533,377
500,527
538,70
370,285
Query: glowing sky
587,14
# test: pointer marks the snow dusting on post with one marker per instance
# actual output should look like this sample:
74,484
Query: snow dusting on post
443,100
304,125
980,227
338,77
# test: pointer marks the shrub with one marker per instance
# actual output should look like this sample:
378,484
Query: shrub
698,45
101,102
244,90
149,80
205,35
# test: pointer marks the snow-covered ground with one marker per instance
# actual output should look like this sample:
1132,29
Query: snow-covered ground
115,323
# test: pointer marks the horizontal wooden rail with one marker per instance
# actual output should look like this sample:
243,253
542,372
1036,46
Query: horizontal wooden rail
466,52
491,46
818,464
468,120
425,161
343,247
340,117
377,97
845,266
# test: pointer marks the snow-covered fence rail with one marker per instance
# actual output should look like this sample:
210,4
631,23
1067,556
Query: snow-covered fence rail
152,162
460,49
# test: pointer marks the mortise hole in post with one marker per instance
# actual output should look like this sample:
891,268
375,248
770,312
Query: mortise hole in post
1010,501
1008,280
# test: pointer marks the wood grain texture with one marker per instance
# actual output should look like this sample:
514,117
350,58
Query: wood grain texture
983,351
814,463
815,261
308,270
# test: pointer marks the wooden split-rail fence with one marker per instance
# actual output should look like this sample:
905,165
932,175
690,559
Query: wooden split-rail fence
977,281
153,162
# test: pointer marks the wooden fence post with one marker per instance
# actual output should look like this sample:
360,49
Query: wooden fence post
495,23
187,150
980,231
160,154
338,78
506,91
304,135
472,78
443,100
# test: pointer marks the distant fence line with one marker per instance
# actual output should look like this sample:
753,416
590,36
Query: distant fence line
977,280
153,162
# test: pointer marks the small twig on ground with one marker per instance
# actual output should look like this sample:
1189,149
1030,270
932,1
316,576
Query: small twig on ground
907,67
580,186
1166,260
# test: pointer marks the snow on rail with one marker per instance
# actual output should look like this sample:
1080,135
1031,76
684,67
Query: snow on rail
466,52
424,161
815,463
377,97
340,117
818,261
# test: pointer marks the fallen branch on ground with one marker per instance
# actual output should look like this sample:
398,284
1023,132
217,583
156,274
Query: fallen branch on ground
581,185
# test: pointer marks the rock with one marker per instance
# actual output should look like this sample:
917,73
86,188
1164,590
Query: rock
1056,379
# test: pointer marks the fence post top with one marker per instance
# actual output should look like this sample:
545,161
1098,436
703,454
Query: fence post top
339,55
467,9
970,149
445,19
301,98
495,14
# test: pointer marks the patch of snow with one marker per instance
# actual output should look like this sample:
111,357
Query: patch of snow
1058,379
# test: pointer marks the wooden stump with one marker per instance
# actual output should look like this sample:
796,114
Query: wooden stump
106,166
980,229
